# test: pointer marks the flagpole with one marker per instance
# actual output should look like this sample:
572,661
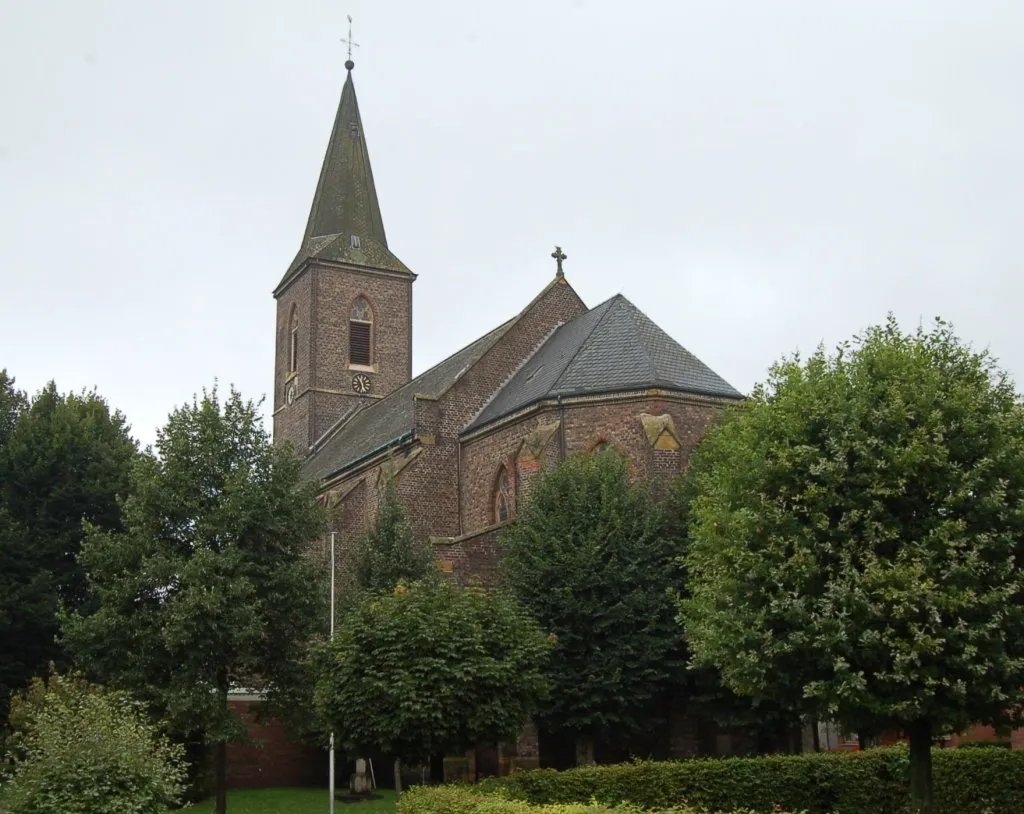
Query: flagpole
331,758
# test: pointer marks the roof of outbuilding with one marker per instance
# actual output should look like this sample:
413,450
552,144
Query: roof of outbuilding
614,347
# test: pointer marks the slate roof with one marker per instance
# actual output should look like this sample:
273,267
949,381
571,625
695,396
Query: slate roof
345,202
390,419
614,347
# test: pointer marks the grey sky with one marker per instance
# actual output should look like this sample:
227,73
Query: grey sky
757,176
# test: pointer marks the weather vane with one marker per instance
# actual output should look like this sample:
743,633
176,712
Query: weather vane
351,44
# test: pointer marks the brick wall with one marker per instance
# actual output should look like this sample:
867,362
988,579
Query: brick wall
585,424
270,759
322,297
335,290
292,423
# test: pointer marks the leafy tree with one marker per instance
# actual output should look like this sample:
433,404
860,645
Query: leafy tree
12,403
430,669
80,749
64,459
388,553
856,539
208,586
775,727
588,558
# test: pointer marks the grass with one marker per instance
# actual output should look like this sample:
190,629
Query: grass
296,801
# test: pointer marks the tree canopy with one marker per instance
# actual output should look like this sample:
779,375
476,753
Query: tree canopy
207,587
388,553
587,556
64,461
430,669
80,749
856,539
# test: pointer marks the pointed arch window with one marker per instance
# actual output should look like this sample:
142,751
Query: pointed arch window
360,333
293,341
502,497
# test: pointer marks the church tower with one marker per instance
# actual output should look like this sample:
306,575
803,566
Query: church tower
344,306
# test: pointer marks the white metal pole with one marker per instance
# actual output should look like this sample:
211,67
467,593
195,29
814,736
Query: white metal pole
331,765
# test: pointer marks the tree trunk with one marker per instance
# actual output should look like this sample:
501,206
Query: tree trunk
220,776
815,734
220,753
584,751
920,733
398,777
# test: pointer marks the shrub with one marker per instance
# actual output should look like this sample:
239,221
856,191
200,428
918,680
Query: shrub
970,781
79,749
463,800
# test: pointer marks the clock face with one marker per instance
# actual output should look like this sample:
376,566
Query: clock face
361,383
290,395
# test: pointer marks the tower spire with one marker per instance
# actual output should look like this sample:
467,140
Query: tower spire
345,223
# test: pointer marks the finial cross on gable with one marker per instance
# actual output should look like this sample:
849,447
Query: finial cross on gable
559,256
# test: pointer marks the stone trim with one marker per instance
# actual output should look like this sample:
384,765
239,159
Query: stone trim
611,398
533,445
660,431
462,538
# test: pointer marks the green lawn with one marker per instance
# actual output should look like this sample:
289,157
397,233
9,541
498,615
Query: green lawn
296,801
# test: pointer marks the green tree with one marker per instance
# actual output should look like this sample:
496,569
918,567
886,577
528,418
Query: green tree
389,553
856,537
79,749
774,727
208,586
587,556
430,669
64,459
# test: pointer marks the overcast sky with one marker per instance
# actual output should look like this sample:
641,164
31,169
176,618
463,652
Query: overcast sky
757,176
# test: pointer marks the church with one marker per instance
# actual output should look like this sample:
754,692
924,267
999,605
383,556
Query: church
463,440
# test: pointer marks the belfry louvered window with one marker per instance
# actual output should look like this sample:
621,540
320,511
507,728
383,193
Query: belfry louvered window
360,333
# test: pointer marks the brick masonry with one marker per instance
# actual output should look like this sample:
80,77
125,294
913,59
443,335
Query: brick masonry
321,299
268,758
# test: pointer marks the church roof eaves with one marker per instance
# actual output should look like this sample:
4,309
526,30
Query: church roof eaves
612,348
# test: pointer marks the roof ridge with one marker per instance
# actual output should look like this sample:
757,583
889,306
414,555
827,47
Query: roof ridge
633,311
607,308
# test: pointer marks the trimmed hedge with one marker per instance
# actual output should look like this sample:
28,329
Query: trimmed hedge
470,800
967,781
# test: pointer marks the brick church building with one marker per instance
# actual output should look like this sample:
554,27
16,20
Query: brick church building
464,439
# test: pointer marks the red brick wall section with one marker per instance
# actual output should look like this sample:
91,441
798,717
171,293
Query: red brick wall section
323,297
391,300
271,760
586,424
557,304
472,559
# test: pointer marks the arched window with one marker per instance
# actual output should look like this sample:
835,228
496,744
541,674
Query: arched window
502,497
360,333
293,341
